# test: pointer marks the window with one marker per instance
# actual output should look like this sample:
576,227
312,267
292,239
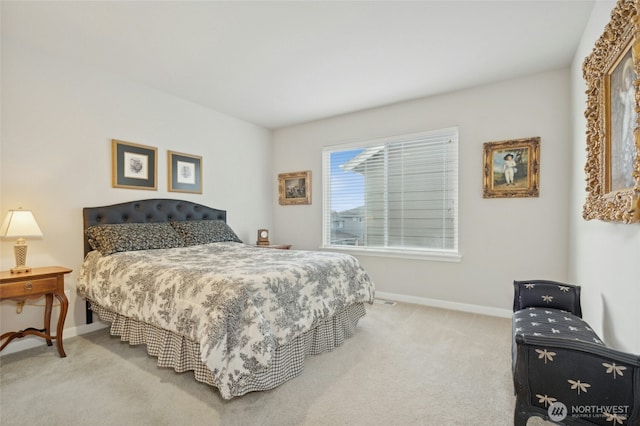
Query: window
393,195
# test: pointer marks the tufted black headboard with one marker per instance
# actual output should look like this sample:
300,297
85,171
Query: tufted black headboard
141,211
152,210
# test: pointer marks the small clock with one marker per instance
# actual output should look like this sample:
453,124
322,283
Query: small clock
263,237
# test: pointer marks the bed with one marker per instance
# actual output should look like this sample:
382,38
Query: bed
172,275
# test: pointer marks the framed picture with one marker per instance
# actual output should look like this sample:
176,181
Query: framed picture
613,134
185,172
133,166
511,168
295,188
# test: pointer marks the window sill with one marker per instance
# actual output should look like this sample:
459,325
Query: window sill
438,256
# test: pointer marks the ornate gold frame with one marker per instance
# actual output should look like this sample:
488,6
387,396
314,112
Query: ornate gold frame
295,188
620,36
526,177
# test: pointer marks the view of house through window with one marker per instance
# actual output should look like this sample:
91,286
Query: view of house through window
393,194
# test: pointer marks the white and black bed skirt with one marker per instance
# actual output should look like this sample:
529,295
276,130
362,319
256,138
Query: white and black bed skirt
183,354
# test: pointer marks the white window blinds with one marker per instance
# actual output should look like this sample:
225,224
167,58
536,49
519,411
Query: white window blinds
393,194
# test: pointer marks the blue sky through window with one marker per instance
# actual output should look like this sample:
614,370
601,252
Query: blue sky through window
347,187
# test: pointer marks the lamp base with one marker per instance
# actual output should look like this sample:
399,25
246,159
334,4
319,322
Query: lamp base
20,251
20,269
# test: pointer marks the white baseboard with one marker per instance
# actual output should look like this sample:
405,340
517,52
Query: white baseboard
444,304
31,341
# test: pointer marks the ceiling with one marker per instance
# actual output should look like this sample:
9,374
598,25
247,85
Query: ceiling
277,64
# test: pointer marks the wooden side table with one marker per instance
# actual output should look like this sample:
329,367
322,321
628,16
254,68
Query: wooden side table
276,246
47,282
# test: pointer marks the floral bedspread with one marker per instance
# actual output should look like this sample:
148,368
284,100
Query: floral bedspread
239,302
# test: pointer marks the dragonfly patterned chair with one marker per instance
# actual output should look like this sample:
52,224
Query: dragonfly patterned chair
562,371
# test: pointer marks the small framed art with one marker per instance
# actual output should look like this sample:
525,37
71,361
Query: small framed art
185,172
295,188
511,168
134,166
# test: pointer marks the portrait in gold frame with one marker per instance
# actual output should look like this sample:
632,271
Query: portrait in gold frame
511,168
613,134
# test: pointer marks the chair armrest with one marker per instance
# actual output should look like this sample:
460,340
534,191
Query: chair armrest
591,380
547,294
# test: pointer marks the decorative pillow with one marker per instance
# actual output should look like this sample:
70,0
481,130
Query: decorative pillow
114,238
194,232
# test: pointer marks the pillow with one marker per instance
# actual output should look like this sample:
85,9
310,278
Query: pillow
114,238
194,232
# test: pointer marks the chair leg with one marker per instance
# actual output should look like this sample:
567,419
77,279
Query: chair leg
520,419
520,416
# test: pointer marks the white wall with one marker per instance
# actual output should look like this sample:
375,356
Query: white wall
58,119
500,239
604,256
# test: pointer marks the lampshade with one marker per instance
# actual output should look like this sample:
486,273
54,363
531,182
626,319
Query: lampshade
20,224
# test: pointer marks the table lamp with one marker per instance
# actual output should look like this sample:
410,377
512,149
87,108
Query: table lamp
20,224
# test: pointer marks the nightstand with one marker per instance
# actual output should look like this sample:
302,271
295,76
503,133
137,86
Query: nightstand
277,246
47,282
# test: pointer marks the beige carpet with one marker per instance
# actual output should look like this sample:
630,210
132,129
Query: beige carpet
406,365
